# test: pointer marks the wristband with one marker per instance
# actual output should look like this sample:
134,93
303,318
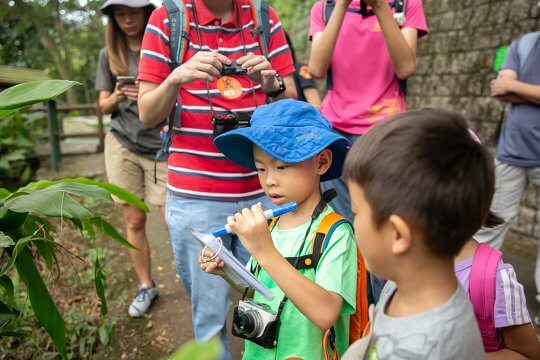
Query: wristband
281,89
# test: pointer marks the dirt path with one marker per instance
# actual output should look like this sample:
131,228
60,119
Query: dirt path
168,325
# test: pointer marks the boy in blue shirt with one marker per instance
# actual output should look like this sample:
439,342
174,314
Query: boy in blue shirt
292,148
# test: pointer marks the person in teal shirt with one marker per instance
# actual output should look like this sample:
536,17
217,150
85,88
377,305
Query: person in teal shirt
292,148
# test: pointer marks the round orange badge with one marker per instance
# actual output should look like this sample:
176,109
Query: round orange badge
304,72
229,87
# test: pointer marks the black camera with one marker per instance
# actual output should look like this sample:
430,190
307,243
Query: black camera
223,123
256,322
233,69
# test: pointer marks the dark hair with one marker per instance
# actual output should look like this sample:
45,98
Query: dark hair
424,166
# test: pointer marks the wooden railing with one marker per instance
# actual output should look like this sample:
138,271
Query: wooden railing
56,128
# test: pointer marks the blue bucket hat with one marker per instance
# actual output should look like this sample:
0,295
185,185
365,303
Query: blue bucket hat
288,130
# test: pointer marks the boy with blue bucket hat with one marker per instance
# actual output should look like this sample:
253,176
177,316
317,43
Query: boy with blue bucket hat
292,147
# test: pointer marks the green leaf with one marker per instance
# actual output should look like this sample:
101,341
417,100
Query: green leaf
107,229
120,193
41,301
6,313
7,284
93,191
87,226
4,193
200,351
26,174
55,203
46,250
77,223
99,280
41,221
104,335
11,220
5,240
19,247
12,333
29,93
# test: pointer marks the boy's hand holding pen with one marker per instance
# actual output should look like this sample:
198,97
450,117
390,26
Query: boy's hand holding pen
251,226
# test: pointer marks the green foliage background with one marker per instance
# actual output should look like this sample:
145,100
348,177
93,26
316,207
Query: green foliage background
294,16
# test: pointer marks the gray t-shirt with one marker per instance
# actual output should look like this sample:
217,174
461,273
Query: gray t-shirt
449,331
125,123
519,144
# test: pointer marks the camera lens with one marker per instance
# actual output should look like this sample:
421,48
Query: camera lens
247,324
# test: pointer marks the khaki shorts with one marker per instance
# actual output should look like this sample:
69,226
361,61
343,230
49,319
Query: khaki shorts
134,172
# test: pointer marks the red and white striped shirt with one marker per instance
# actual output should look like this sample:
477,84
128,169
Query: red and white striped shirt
197,169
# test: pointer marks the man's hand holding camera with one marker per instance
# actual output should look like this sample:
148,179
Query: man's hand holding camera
204,65
259,70
207,65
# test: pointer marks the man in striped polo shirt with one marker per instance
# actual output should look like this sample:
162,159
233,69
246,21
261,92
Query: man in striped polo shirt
203,186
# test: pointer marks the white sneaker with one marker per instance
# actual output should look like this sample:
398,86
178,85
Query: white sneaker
143,300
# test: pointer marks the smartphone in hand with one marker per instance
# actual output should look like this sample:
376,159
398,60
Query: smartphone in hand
126,80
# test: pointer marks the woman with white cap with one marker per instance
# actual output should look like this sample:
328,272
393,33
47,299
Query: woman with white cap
130,146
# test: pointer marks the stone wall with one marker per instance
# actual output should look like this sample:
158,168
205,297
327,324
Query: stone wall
455,66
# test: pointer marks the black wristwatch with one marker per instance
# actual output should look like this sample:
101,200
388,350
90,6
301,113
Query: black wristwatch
279,91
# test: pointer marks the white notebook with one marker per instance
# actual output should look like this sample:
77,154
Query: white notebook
233,267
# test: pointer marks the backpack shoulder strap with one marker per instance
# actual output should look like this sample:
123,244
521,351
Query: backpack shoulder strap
261,15
328,7
482,292
179,34
320,240
327,226
178,43
272,222
525,46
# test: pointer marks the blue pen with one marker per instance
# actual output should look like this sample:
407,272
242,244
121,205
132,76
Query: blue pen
270,213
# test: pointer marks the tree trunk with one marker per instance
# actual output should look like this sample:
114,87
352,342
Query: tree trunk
63,64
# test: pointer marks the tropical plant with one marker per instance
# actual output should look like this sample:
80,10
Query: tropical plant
27,232
19,134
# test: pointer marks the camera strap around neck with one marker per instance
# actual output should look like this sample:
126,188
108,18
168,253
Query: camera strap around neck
326,197
199,40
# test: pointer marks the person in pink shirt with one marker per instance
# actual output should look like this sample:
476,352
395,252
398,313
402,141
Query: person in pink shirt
366,56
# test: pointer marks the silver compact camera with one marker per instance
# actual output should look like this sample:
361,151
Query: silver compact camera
256,322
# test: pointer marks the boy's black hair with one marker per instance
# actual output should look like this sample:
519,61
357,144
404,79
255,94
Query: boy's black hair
424,166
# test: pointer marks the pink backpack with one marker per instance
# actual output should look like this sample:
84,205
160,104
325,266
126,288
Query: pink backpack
482,293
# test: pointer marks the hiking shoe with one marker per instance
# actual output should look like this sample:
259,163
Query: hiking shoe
143,300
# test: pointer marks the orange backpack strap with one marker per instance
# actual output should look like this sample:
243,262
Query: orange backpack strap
272,222
360,318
